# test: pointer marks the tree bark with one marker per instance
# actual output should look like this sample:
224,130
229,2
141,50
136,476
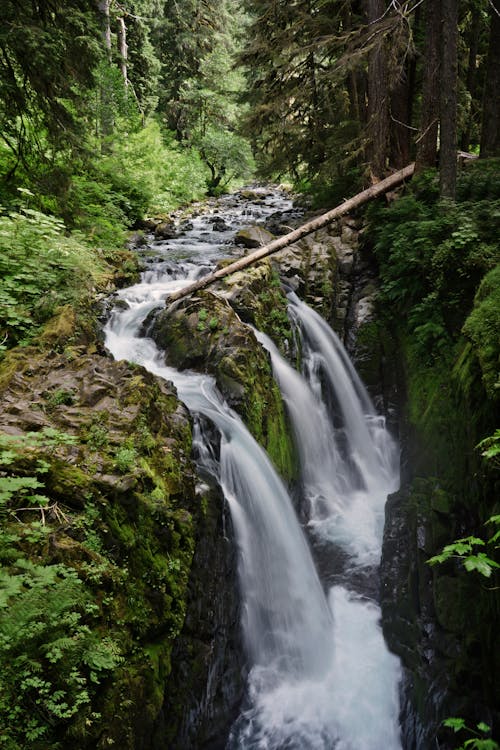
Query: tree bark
378,96
123,48
429,119
448,105
490,131
288,239
400,136
103,6
471,79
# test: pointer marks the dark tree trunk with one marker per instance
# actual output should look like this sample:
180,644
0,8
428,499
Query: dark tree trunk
106,116
429,119
471,80
448,107
402,99
490,133
401,106
378,96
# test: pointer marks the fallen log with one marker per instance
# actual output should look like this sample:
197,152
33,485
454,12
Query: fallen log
288,239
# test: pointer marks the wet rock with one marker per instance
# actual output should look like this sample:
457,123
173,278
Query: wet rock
205,334
166,230
218,224
136,240
310,266
253,237
208,675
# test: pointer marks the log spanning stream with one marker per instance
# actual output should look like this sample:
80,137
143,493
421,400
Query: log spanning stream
320,675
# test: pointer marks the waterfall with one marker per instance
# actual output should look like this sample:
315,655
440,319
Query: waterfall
347,469
349,464
320,676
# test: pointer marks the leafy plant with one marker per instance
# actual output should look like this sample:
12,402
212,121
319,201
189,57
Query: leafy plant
50,659
42,268
125,459
490,448
18,491
466,551
478,741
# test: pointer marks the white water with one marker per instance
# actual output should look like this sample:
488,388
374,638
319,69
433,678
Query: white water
347,469
317,682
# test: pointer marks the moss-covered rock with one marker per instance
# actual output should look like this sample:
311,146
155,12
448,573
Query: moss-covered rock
311,267
206,334
253,237
110,451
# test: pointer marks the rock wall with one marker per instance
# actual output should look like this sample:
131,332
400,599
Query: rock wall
152,549
441,620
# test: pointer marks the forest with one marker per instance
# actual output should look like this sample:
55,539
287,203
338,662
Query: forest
123,120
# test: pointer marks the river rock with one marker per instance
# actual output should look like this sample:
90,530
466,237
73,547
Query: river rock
165,230
253,237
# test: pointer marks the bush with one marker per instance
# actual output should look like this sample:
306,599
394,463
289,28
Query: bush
148,172
432,257
42,268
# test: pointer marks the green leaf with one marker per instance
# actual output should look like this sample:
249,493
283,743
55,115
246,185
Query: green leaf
482,563
454,723
483,727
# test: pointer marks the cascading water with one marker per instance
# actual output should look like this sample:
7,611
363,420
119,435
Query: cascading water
349,461
316,681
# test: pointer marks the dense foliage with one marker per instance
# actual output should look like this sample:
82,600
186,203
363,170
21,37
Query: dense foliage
341,91
116,112
433,256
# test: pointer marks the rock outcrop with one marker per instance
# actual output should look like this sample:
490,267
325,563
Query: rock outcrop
124,513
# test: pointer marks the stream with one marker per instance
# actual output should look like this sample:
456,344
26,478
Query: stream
320,675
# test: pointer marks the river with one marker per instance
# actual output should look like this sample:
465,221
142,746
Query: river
320,675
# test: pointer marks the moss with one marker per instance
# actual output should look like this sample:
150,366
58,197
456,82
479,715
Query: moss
129,538
239,364
60,328
257,297
482,329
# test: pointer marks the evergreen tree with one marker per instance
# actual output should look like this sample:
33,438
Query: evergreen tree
48,53
490,134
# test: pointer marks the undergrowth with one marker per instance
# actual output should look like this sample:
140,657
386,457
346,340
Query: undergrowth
42,268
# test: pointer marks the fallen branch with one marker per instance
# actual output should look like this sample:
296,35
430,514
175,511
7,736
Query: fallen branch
288,239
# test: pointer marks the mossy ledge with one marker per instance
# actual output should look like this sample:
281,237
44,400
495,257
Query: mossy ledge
204,333
122,517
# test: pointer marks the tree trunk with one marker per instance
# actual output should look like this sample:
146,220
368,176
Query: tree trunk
490,132
103,6
429,119
123,48
448,106
400,136
105,122
471,80
378,97
288,239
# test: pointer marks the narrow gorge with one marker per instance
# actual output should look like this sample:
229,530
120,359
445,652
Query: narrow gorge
236,547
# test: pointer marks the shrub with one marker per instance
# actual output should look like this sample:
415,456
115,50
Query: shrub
42,268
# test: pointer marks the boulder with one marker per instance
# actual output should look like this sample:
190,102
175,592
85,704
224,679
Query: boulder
253,237
165,230
204,333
